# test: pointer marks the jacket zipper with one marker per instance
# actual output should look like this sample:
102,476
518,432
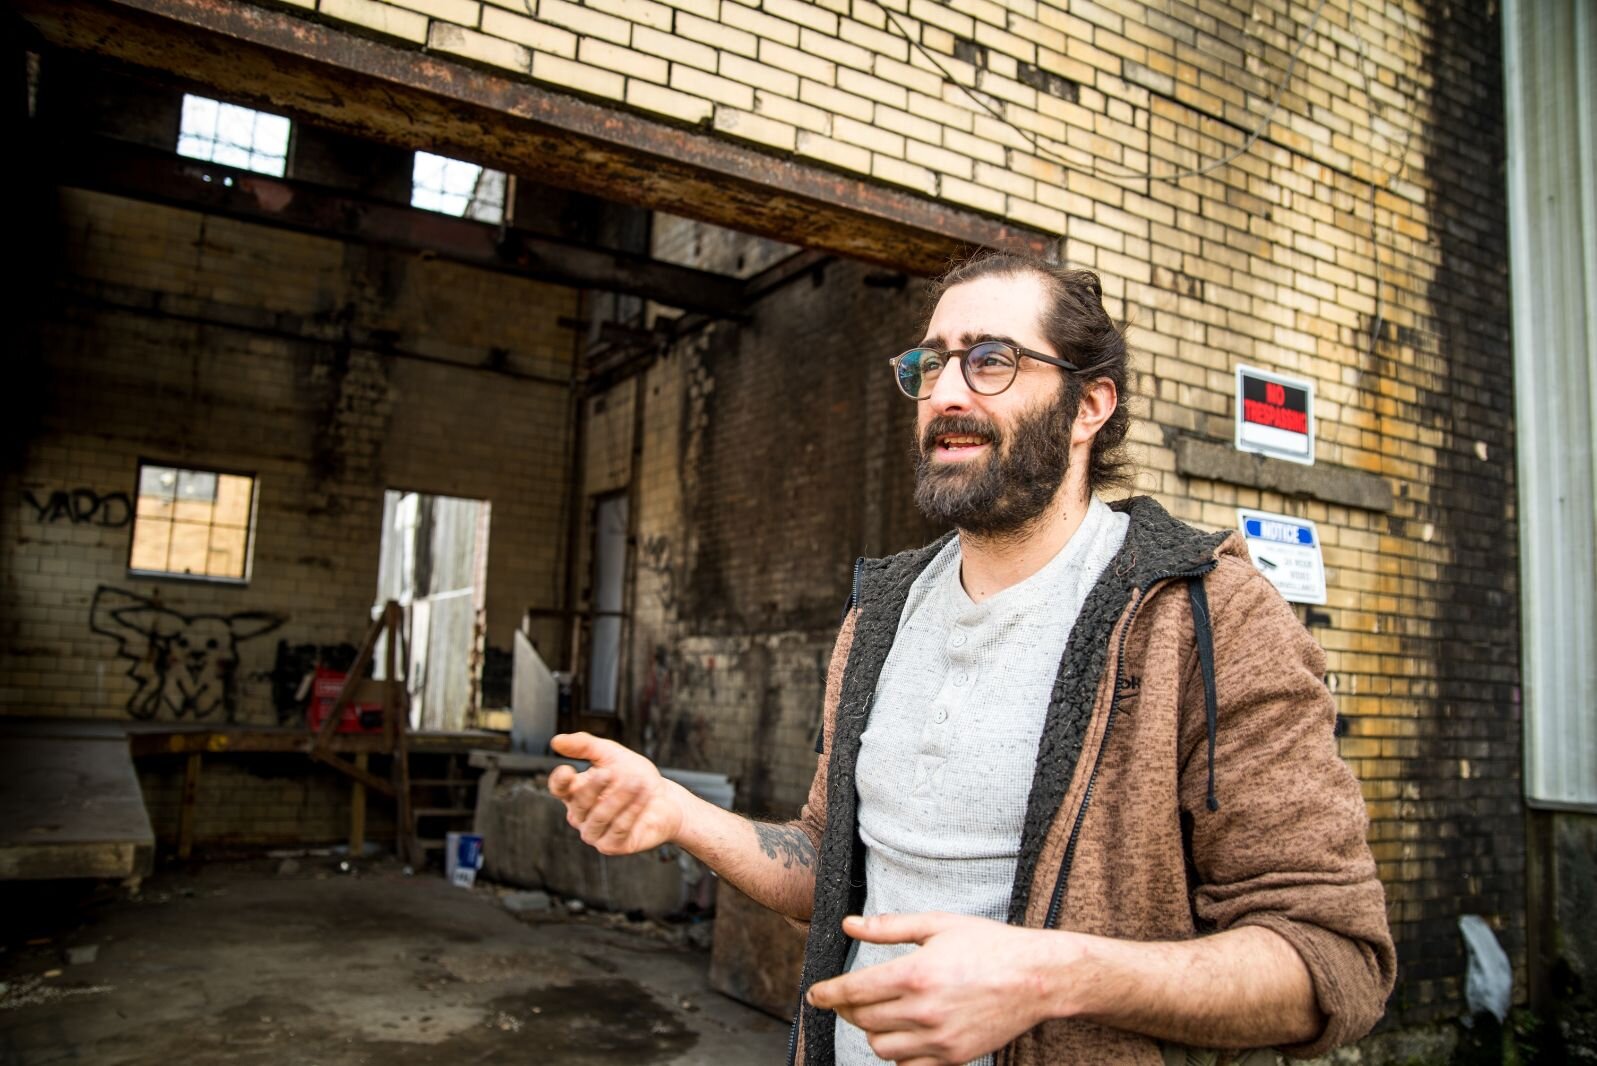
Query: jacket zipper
1114,703
798,1012
792,1036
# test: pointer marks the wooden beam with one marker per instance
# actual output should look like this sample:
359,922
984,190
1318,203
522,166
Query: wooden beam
147,174
181,739
399,718
49,862
185,818
778,275
365,777
357,810
410,98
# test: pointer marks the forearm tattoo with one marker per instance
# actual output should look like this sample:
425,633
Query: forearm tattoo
786,842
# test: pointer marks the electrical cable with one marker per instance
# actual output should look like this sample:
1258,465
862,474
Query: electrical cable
1131,175
1377,323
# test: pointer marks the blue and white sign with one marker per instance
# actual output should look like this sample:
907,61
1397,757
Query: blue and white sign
1287,551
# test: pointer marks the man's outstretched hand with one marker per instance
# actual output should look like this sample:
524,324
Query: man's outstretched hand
970,988
620,804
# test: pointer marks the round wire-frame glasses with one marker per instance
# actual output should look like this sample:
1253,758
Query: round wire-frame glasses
989,367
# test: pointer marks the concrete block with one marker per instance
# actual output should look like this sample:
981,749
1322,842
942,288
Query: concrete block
757,955
1221,462
526,841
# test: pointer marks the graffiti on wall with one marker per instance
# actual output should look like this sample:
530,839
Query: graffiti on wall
656,559
183,665
82,507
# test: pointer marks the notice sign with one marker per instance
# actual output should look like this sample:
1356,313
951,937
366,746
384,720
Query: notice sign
1275,415
1287,551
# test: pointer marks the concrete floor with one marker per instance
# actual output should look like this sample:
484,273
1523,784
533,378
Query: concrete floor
235,963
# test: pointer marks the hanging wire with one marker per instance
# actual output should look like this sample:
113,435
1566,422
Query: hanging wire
1131,175
1379,321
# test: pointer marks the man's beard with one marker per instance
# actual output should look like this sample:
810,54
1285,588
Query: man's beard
1006,493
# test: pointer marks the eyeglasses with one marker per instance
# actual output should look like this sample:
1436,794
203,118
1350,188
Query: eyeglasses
989,367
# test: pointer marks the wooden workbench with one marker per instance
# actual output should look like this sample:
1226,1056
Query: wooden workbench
70,802
181,738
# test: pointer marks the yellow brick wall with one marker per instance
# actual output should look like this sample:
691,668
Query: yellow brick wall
1358,242
1029,109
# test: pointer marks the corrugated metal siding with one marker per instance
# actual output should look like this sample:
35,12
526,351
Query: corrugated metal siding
1550,54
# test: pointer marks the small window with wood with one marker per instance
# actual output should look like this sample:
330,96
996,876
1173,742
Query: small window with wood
193,523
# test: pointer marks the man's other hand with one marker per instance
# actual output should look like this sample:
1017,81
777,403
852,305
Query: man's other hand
971,988
620,804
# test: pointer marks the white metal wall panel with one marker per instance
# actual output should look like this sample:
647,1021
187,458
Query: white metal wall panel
1550,57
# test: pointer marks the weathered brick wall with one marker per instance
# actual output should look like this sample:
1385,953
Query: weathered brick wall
1005,106
176,342
771,459
331,372
1359,243
254,801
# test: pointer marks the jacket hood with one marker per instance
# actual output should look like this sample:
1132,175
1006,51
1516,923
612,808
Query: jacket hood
1157,545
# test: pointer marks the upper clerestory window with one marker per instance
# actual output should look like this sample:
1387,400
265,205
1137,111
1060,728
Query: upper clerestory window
233,136
455,187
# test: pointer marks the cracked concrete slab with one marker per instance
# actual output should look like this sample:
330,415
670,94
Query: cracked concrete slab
232,964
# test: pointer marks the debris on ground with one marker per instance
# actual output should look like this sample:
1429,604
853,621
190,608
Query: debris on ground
32,991
528,901
82,954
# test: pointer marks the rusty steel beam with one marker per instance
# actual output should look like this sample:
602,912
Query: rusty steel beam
414,99
146,174
809,263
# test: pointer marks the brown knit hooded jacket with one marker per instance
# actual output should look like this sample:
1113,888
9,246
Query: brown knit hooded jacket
1133,829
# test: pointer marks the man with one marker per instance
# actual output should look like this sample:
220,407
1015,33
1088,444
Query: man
1080,779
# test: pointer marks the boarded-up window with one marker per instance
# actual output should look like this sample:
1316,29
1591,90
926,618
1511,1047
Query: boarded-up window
195,523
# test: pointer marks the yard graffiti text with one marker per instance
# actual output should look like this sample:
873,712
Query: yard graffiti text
112,510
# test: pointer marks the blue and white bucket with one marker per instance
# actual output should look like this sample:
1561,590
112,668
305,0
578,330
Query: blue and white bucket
462,858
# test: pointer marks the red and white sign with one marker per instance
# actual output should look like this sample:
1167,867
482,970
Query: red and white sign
1275,415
